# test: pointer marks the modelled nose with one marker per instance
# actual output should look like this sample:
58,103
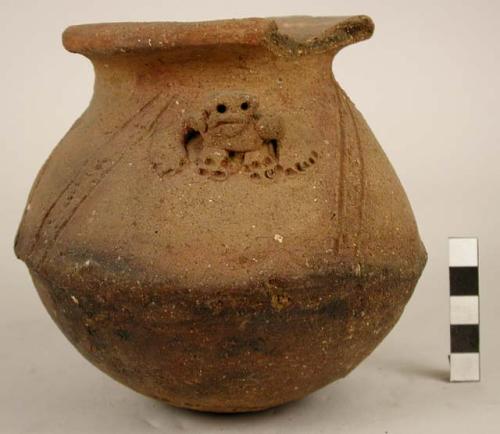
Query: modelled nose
229,113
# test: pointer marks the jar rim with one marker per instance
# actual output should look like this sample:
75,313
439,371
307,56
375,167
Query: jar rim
287,36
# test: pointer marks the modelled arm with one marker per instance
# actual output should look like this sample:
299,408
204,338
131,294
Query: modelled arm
269,127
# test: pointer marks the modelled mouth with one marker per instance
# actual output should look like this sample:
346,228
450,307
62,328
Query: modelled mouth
230,127
228,122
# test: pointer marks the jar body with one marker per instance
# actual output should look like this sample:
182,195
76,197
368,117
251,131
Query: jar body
225,260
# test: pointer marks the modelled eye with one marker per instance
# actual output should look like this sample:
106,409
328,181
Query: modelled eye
221,108
244,106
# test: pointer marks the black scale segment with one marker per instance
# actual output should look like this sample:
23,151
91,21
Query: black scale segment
464,281
465,338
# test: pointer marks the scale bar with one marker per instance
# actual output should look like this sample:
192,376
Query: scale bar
464,309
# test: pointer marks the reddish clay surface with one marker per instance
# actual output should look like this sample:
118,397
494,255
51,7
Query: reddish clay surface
220,229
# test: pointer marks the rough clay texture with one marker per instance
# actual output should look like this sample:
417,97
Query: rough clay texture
220,229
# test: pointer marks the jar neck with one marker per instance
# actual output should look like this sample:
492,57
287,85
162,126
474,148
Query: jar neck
231,67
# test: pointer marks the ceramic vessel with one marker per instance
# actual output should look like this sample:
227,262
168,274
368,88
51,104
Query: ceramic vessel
220,229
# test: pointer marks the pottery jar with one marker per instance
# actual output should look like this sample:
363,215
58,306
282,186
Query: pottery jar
220,228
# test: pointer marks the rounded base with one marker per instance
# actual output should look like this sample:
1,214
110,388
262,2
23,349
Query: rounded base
238,350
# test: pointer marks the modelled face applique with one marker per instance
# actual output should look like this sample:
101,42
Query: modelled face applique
230,113
229,132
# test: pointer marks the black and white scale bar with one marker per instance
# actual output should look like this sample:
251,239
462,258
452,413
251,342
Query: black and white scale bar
464,309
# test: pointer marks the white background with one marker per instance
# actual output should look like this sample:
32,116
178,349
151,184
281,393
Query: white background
428,85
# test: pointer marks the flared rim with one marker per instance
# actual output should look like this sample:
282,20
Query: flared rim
293,35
